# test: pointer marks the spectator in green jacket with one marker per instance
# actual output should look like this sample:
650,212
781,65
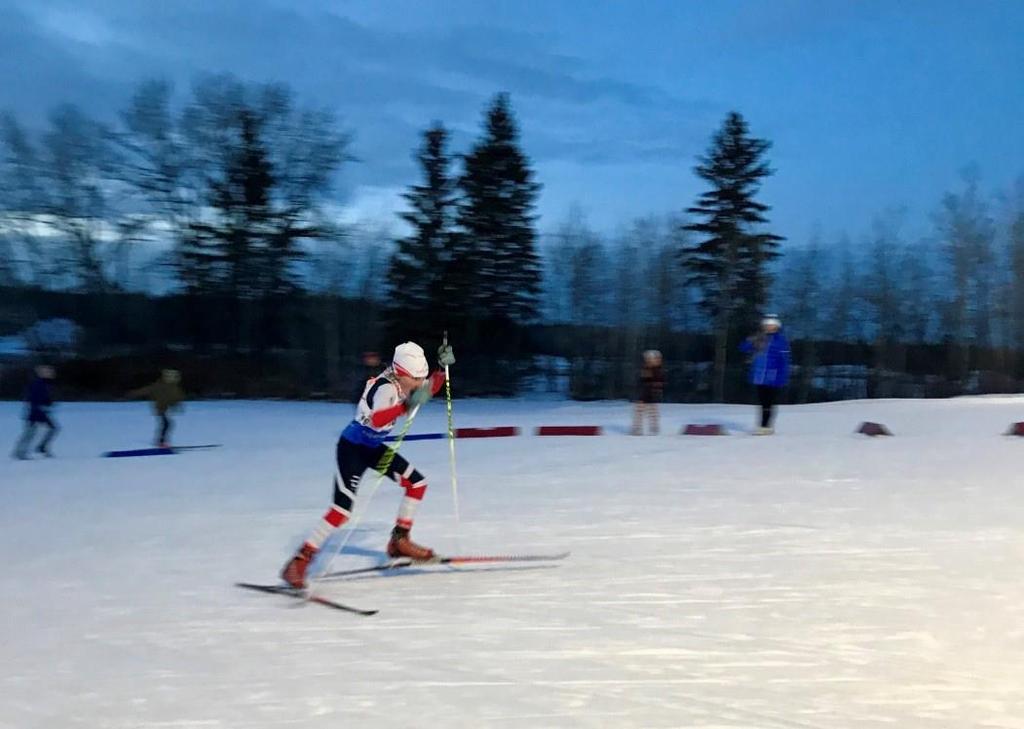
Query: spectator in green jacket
167,396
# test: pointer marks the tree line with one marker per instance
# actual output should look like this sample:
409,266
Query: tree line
209,227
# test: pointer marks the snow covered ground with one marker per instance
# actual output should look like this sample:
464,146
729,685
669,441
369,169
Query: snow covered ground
814,579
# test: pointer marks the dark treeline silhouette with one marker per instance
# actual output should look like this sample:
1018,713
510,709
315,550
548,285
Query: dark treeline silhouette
201,235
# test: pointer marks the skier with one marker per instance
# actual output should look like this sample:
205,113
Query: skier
37,413
650,386
394,392
167,396
769,367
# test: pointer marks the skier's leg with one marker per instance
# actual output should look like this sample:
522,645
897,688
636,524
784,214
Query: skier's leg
638,418
351,462
765,396
415,485
51,432
165,431
21,448
770,405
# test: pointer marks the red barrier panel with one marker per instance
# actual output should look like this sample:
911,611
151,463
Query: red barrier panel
503,431
569,430
1016,429
872,429
704,430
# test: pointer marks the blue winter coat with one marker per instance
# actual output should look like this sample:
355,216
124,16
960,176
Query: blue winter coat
39,401
770,365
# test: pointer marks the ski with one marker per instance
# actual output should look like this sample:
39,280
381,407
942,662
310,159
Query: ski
158,450
402,562
302,595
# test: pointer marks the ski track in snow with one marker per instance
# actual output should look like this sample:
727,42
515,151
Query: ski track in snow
811,580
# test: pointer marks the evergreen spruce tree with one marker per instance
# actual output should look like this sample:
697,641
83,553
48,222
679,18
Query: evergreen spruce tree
495,267
416,272
729,261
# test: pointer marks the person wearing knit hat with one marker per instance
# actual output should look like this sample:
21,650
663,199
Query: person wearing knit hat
769,368
403,386
166,396
649,391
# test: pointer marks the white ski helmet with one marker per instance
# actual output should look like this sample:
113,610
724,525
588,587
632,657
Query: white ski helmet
409,360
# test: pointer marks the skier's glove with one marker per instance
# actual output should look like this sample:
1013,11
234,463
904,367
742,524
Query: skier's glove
420,395
445,355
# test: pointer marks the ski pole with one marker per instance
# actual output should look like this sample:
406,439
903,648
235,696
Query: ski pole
382,466
451,443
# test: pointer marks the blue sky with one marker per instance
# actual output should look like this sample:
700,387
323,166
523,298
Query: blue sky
869,105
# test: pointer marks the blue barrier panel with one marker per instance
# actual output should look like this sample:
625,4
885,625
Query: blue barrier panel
140,452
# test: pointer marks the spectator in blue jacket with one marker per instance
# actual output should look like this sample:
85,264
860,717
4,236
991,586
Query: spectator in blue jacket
37,413
769,367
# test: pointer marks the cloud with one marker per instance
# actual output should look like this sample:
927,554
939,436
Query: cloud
37,71
370,203
385,83
388,84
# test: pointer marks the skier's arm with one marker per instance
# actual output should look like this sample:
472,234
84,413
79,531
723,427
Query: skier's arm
380,418
144,391
390,406
785,356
